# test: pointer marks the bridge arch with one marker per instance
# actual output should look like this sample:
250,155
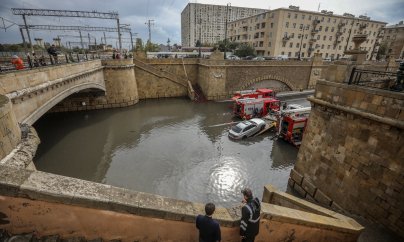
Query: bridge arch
267,78
34,116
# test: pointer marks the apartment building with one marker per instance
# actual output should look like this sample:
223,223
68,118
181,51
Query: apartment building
207,22
294,32
393,38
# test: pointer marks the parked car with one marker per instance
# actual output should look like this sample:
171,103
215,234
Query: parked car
233,57
248,57
282,57
259,58
246,128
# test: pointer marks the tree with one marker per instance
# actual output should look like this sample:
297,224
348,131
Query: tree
244,50
139,44
151,47
230,45
381,53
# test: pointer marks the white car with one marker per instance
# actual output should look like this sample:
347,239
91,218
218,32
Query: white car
233,57
246,128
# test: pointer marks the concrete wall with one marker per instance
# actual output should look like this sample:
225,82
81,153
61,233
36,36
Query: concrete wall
351,157
10,134
52,204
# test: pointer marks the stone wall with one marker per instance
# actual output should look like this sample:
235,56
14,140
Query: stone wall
52,204
155,83
120,83
351,157
10,134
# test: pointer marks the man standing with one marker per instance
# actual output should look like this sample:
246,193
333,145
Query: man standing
250,216
209,229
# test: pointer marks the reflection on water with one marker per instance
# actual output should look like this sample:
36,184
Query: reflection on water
171,147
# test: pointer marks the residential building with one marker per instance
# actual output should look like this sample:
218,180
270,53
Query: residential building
393,39
294,32
207,22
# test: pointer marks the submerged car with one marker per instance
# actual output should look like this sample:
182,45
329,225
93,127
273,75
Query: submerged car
246,128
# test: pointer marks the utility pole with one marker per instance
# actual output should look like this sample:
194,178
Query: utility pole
225,29
81,40
149,24
23,40
26,29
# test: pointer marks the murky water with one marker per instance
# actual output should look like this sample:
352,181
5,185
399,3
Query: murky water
171,147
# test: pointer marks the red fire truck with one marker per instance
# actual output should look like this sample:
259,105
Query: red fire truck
247,108
258,93
292,125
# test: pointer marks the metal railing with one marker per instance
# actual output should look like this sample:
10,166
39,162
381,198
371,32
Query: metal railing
42,60
375,79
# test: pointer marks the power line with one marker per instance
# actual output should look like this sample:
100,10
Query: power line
4,21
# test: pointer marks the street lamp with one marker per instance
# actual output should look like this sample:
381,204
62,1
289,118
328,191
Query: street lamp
225,29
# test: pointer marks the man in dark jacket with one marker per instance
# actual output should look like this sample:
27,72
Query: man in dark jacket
250,216
209,229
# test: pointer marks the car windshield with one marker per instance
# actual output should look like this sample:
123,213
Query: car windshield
236,129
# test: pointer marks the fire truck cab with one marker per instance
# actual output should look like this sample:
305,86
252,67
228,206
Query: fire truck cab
247,108
293,124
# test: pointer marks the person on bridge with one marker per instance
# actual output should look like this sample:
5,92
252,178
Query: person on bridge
17,62
209,229
250,216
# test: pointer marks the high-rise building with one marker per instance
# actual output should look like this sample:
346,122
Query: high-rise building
206,22
299,33
393,40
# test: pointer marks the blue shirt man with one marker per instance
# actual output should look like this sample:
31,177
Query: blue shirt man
209,229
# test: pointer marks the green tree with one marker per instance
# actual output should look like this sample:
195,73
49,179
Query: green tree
139,44
230,45
244,50
151,47
381,53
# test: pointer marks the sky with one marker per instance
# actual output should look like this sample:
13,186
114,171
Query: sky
167,15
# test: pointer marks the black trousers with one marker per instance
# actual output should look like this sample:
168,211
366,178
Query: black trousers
250,238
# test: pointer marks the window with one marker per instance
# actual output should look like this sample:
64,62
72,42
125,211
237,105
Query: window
295,15
290,45
324,37
326,29
322,46
318,37
261,43
304,45
320,28
283,44
303,16
283,52
289,54
329,19
322,19
272,25
262,25
292,35
294,25
288,15
332,29
285,34
302,54
297,45
269,44
287,24
301,26
328,47
330,38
